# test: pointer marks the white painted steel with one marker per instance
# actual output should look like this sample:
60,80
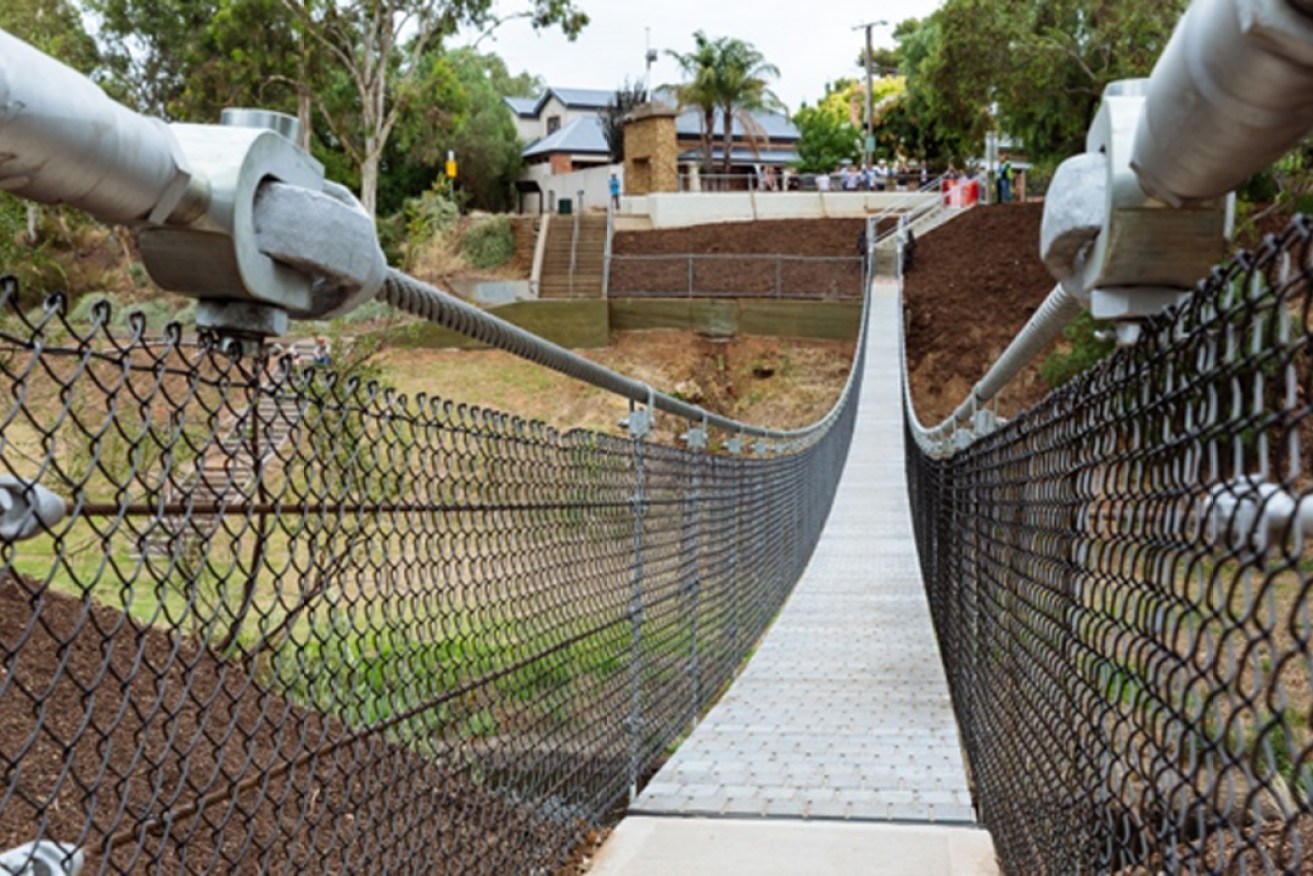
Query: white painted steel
1230,94
63,141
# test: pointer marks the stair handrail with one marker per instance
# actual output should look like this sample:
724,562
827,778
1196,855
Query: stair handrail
574,251
606,251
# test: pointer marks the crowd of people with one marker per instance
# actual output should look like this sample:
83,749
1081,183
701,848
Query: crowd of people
882,176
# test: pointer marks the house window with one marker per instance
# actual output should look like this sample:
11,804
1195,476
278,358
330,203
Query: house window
553,124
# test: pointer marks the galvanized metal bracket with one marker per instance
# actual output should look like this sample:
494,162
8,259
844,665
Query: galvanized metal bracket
696,437
27,509
44,858
640,421
1126,253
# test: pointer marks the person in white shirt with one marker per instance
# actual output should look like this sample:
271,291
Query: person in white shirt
881,175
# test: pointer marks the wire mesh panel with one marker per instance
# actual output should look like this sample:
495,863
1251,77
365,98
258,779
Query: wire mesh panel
1121,581
819,278
296,622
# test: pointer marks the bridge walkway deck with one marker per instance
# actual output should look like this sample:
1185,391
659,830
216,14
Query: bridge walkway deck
836,750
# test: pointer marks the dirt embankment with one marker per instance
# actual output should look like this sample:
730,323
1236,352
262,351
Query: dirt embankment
975,282
143,748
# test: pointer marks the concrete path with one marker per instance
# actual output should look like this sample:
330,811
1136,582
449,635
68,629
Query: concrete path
843,714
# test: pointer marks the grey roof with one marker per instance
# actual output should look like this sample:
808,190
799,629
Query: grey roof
582,136
572,98
526,107
775,126
595,98
744,155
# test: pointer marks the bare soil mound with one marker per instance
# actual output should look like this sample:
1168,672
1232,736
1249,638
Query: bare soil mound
180,762
768,276
974,283
797,237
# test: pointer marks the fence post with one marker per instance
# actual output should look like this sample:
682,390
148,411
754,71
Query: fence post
696,439
639,422
779,277
735,448
690,276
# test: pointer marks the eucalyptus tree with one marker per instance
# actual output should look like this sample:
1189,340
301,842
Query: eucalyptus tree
1042,64
379,46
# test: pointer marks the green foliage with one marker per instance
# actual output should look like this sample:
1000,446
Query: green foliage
53,26
490,242
729,76
87,307
35,264
827,133
433,213
1043,62
384,54
699,88
1088,346
485,141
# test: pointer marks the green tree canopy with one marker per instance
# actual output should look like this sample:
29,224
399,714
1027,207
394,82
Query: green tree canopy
54,27
828,135
1043,63
380,46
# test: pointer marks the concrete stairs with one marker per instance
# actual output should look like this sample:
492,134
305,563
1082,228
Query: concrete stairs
886,249
225,473
585,280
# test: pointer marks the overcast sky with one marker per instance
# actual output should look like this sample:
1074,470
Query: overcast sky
811,45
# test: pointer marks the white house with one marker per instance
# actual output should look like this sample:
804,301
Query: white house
566,152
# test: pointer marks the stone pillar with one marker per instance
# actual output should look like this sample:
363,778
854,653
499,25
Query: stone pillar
651,150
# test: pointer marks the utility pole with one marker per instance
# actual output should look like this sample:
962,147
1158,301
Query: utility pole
868,144
650,56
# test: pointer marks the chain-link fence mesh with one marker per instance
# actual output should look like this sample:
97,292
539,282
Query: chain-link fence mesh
1122,585
297,622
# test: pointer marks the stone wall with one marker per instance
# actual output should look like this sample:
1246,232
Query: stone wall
651,150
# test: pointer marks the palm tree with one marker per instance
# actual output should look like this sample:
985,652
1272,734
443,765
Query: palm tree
701,86
741,90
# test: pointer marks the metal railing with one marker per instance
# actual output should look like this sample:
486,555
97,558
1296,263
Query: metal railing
293,620
736,276
793,181
574,248
1121,578
607,250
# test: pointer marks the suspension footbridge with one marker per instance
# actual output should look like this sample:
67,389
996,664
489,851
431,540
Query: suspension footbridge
411,635
841,726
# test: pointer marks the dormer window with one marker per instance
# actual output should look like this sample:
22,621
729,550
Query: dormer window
553,124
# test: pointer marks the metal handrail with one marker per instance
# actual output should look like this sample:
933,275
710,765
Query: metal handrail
606,251
574,250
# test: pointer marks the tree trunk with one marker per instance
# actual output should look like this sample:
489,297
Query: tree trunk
729,139
369,176
708,140
304,106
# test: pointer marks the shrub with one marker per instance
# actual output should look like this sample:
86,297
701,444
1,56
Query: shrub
1089,342
490,242
84,310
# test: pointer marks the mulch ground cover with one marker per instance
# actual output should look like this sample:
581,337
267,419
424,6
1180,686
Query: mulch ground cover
974,283
155,756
